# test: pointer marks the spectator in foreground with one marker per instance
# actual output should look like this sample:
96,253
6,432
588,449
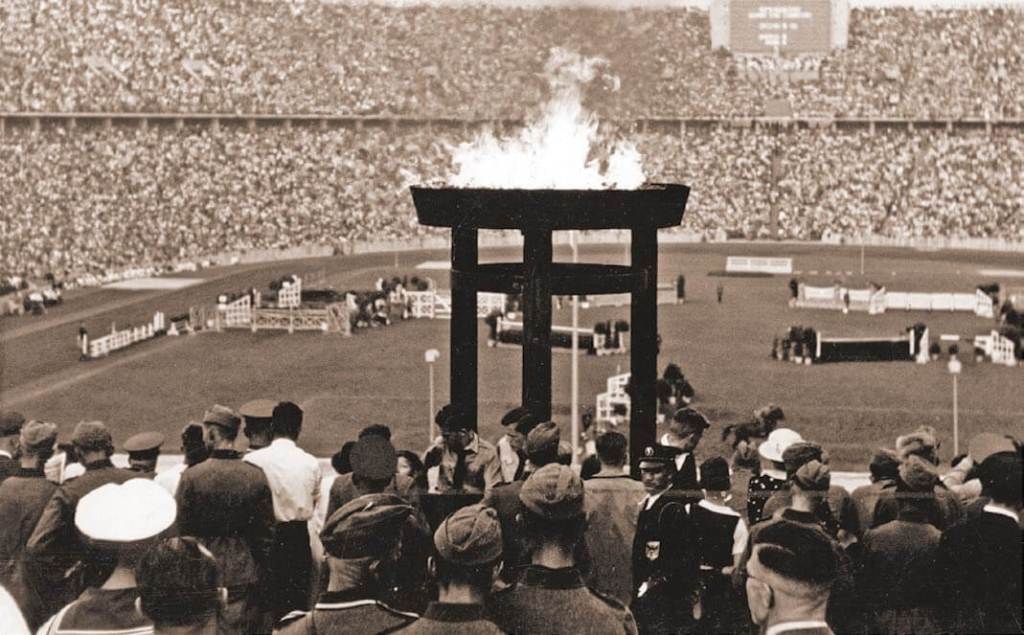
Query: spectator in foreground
884,469
963,479
193,450
465,463
510,449
789,575
179,588
773,475
947,509
11,620
898,562
10,429
410,465
226,503
23,496
612,499
466,566
685,431
374,470
551,596
120,522
363,540
258,415
979,557
143,451
294,477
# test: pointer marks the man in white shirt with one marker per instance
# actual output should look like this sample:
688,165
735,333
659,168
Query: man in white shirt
685,430
294,476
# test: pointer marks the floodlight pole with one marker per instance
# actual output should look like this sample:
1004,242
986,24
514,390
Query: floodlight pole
575,407
954,370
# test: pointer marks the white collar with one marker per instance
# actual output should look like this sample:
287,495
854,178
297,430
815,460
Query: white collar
782,627
775,474
653,498
6,453
996,509
281,441
719,509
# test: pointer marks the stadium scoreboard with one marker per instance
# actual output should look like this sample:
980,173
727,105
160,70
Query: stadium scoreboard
767,27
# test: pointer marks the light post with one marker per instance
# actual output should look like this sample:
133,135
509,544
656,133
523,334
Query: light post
574,414
430,356
954,370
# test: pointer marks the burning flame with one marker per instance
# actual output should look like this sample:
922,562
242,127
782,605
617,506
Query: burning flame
554,150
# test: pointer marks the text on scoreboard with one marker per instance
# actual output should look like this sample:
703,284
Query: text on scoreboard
763,26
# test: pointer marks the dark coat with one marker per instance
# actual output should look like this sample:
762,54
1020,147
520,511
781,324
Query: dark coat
343,612
843,509
505,500
55,552
227,505
8,467
613,504
557,601
946,510
344,489
22,500
442,618
685,480
866,498
979,574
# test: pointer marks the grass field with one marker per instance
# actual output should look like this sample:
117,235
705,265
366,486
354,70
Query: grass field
379,376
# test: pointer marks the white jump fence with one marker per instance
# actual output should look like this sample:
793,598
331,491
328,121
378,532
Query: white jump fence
93,348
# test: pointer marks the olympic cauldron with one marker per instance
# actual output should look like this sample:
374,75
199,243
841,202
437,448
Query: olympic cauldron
537,213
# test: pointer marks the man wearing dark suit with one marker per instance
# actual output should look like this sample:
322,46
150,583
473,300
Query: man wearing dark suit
979,557
226,504
665,562
685,430
788,578
10,428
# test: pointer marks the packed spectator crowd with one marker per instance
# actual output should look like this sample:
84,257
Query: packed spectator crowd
471,536
367,58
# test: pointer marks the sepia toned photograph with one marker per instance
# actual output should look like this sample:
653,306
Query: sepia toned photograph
637,317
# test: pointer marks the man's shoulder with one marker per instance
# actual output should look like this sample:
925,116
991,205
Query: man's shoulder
363,616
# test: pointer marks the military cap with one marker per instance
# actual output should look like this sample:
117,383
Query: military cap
92,435
513,416
38,435
691,419
373,457
365,526
796,551
714,475
920,443
130,512
777,442
986,444
223,417
10,423
542,443
658,453
814,476
800,453
553,492
917,475
470,537
144,443
257,409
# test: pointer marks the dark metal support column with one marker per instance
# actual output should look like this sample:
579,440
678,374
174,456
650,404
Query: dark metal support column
463,391
537,256
643,339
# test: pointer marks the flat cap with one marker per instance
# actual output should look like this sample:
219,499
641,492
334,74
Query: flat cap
553,492
222,416
10,423
690,419
130,512
542,443
365,526
470,537
986,444
257,409
797,552
714,475
92,435
658,453
373,457
513,416
38,435
777,442
918,475
801,453
814,476
143,442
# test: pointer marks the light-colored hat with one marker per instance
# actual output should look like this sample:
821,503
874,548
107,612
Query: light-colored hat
777,442
130,512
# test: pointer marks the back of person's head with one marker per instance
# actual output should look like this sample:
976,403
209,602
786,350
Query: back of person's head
38,438
469,547
611,449
813,476
341,460
193,443
885,465
1001,478
799,454
92,437
287,420
922,442
378,429
590,467
179,584
374,462
552,499
542,444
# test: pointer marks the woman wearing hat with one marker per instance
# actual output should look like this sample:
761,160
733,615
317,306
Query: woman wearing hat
773,474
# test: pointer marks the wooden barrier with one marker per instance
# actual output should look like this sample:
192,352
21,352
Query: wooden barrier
93,348
997,348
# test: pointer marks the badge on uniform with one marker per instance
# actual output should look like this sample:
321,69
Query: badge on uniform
653,549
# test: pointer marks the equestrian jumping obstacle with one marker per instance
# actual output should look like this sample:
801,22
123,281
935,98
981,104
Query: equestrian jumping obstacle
288,314
510,333
998,349
436,304
93,348
879,300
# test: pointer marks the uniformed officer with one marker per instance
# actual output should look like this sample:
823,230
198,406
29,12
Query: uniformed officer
121,522
10,430
55,550
362,539
665,562
551,596
143,450
258,415
467,563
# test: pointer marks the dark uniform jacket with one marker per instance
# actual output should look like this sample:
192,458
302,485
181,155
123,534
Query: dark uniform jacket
844,511
505,500
665,564
943,514
979,574
100,612
715,532
55,552
557,601
226,504
866,498
685,480
342,612
8,467
442,618
22,499
612,502
343,490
